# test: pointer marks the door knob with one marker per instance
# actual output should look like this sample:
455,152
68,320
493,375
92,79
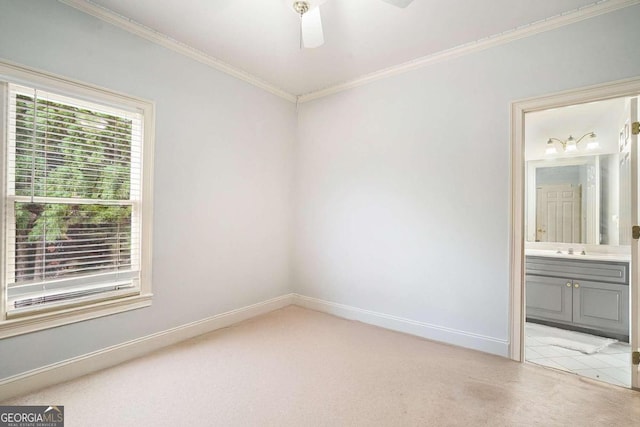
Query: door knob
576,285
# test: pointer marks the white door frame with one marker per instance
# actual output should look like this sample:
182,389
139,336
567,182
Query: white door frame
622,88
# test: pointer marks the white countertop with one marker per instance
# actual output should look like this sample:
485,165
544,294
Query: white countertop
577,255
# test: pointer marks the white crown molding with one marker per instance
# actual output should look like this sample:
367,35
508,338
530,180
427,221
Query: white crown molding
599,8
166,41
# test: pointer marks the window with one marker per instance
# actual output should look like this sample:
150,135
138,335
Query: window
75,220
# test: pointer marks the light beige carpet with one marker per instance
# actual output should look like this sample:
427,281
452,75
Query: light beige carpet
296,367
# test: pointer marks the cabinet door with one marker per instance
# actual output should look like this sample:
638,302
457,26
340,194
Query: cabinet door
601,305
549,298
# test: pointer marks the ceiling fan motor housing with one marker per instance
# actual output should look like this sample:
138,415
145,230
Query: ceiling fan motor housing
301,7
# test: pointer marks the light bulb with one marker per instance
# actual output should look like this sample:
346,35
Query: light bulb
551,149
571,144
593,143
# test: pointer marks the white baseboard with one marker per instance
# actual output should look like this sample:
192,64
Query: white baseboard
82,365
425,330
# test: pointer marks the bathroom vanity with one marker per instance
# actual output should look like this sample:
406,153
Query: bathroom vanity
588,293
577,233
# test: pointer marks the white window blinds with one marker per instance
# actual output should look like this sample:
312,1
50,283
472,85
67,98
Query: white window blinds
73,194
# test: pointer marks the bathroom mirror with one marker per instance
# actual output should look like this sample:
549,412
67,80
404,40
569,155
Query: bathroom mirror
574,200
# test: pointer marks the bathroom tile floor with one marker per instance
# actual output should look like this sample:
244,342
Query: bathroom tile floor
611,365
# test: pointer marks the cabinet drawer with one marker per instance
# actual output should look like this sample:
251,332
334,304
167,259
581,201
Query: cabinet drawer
601,271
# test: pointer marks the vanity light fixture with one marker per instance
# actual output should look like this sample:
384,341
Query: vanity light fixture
570,144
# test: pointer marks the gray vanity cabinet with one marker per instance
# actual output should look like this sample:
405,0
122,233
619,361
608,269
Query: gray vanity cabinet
601,305
549,298
579,294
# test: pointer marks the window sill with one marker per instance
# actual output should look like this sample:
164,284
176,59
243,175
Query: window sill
38,322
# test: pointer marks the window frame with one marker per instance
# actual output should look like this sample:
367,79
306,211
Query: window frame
100,305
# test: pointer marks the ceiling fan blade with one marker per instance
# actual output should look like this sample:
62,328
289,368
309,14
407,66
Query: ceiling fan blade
312,35
399,3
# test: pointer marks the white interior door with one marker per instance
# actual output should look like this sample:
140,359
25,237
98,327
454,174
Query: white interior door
558,213
631,131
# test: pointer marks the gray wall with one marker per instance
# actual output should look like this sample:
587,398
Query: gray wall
223,167
402,185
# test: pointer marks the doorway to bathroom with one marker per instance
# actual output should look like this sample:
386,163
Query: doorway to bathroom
574,205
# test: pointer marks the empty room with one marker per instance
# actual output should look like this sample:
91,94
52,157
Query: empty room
332,212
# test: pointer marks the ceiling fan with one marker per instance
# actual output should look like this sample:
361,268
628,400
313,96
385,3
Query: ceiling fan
311,34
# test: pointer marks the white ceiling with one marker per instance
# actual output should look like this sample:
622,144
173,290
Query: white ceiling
261,37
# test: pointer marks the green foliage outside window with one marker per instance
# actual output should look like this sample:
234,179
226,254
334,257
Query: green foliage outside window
66,152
